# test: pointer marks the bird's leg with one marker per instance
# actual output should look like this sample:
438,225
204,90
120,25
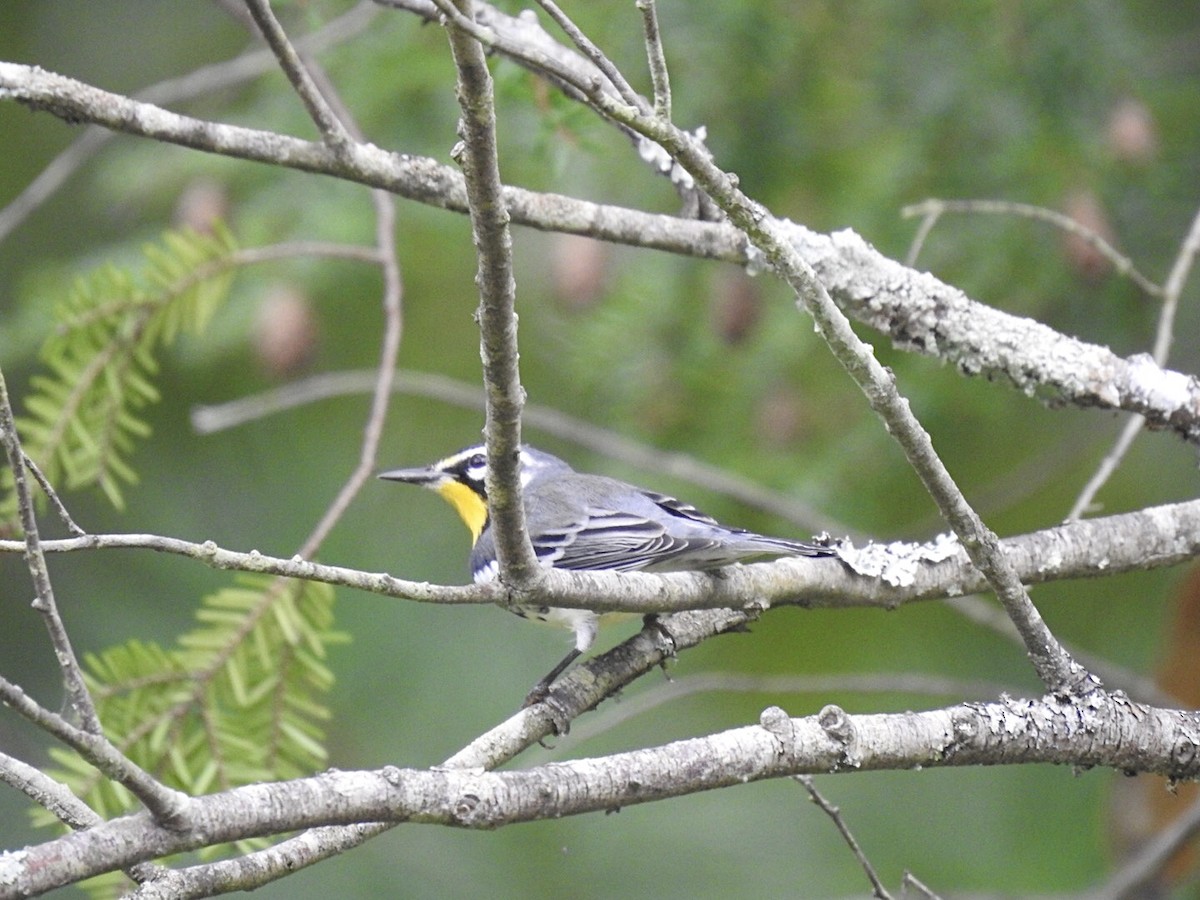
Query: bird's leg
652,622
542,689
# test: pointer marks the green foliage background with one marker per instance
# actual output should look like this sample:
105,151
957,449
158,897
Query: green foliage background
834,114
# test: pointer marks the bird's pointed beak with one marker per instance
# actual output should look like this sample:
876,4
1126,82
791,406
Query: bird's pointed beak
426,476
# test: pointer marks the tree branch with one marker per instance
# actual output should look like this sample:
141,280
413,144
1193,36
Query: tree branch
1094,731
1051,661
497,301
1150,538
916,310
1164,334
204,81
77,692
58,800
167,806
835,815
656,58
326,120
932,210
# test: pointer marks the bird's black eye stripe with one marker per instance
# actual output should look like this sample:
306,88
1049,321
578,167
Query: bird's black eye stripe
470,471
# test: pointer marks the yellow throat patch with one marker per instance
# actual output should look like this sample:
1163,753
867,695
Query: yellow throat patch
471,508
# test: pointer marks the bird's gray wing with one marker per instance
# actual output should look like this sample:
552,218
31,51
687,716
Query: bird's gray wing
674,507
609,539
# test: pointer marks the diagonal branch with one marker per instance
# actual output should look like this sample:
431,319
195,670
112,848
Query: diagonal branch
327,122
168,806
1053,664
1164,334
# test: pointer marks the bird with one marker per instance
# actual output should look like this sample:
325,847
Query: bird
590,522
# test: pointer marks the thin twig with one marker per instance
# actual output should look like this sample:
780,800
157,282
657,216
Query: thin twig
1172,290
596,55
835,815
35,559
332,130
1150,538
293,249
167,806
1084,503
1143,866
931,209
52,495
1180,269
929,219
926,892
201,82
384,253
656,59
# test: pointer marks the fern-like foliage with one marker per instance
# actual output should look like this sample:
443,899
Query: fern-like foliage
82,418
238,700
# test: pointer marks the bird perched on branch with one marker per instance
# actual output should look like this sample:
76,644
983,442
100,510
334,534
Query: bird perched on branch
591,522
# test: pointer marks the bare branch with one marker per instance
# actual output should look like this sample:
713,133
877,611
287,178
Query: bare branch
919,312
497,300
47,793
1092,732
1051,661
835,815
932,210
57,799
332,130
656,58
911,879
1150,538
1172,290
595,55
1162,346
68,663
384,254
167,806
259,867
1140,871
52,495
916,310
202,82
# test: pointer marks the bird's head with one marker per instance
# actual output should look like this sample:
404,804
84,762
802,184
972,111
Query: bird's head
461,479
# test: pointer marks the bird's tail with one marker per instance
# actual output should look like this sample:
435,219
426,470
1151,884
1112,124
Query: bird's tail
761,543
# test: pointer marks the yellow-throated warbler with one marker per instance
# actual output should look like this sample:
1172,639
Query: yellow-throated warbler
579,521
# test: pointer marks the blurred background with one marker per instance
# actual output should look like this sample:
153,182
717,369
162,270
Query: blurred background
833,114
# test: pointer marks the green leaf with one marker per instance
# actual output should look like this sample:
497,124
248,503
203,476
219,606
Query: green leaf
240,698
81,421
